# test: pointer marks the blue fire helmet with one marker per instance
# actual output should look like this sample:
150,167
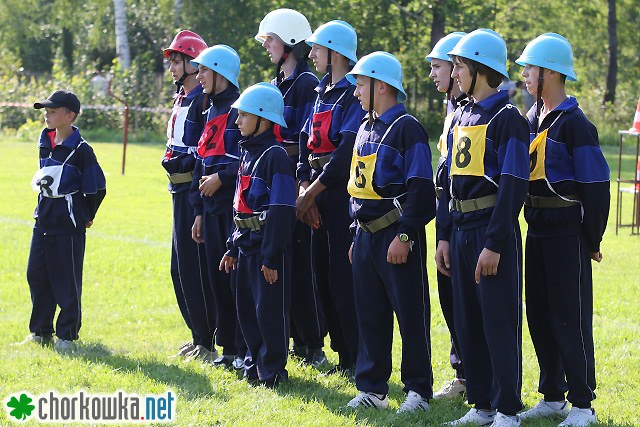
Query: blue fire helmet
485,47
381,66
444,46
550,51
263,100
338,36
222,59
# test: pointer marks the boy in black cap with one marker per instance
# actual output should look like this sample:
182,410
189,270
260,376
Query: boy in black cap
71,186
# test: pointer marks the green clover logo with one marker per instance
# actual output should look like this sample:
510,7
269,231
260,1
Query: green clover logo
22,408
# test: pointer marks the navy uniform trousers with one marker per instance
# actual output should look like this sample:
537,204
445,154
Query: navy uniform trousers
307,322
332,272
54,273
189,274
263,311
559,293
381,289
216,228
488,320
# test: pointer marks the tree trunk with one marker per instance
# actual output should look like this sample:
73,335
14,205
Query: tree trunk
122,41
612,71
177,10
437,24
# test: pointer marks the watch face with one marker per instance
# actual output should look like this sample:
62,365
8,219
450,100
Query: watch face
403,237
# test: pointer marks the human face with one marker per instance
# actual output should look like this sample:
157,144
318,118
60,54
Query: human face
176,66
318,55
530,74
462,75
57,118
440,74
246,122
362,91
206,77
275,47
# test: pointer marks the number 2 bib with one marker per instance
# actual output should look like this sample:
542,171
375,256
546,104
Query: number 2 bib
211,142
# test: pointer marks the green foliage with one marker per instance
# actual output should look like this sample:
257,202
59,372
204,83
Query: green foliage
40,37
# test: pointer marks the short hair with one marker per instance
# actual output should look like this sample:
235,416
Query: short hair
180,55
493,77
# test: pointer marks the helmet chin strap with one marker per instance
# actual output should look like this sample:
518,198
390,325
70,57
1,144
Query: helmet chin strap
285,55
258,122
185,74
473,82
329,65
371,95
539,94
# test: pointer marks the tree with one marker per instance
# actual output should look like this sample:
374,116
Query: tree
612,70
122,41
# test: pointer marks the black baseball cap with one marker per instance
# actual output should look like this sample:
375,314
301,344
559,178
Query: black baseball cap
60,98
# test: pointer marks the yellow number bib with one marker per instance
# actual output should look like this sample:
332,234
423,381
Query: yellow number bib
360,183
537,150
467,153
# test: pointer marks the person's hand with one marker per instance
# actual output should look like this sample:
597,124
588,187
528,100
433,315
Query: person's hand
228,263
196,230
89,224
351,253
487,264
443,264
209,184
312,217
307,198
596,256
398,251
271,276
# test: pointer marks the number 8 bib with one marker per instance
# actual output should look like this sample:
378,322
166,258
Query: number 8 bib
467,153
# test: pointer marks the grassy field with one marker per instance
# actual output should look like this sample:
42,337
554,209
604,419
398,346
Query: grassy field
131,322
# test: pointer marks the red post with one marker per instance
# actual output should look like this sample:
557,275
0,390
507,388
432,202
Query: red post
126,125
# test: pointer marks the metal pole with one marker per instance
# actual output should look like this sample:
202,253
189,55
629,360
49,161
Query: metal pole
126,125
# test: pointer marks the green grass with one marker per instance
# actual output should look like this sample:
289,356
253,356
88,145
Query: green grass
131,323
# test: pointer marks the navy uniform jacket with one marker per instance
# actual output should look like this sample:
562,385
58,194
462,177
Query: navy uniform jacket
271,187
183,132
82,178
347,115
574,165
298,94
225,162
403,166
506,163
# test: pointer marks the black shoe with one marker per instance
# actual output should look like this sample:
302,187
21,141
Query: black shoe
224,361
315,358
349,372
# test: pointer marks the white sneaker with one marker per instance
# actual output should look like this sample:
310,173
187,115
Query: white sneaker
202,354
475,416
43,340
543,410
413,402
502,420
454,389
580,418
65,346
368,400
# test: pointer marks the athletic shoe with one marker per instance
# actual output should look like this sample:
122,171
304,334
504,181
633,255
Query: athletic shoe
224,361
368,400
580,417
476,417
315,358
299,351
455,388
65,346
544,410
202,354
185,349
43,340
413,402
238,363
350,373
502,420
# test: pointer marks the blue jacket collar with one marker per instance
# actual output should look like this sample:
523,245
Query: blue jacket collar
254,144
392,113
344,83
71,142
492,101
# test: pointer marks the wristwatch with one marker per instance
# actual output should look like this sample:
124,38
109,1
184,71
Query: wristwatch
403,237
